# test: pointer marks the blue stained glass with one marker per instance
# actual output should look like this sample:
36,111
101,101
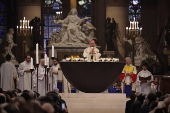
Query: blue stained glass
3,20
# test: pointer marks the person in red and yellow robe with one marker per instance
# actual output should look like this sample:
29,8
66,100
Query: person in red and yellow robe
128,77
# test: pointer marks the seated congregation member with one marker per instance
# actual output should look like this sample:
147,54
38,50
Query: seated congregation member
135,107
128,77
92,53
118,89
155,85
130,102
144,79
148,101
112,88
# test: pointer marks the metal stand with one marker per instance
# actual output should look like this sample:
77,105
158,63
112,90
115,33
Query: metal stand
31,77
45,78
37,65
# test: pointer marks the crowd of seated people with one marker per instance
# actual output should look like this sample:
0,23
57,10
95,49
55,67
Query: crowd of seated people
151,103
31,102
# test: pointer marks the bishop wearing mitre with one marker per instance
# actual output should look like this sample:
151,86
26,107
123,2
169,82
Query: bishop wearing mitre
91,52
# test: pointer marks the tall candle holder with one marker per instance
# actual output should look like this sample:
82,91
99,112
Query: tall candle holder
131,33
24,31
48,87
31,77
37,65
45,78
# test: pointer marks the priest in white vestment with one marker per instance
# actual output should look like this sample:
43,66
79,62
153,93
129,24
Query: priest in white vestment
8,75
41,78
25,74
92,53
54,73
144,79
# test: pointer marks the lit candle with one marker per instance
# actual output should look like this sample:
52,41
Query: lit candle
24,18
126,30
23,23
47,62
37,61
20,22
31,63
26,29
28,24
129,30
20,29
45,59
130,24
137,25
52,51
17,29
140,31
31,29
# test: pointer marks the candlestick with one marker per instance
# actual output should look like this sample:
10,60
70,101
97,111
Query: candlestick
37,61
20,29
47,62
140,31
28,24
17,29
20,22
52,51
31,29
31,63
45,59
126,30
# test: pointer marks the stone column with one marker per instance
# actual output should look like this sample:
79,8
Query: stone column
98,20
118,9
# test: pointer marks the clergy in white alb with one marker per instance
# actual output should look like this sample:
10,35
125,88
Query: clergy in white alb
54,73
41,78
8,75
144,79
25,74
92,53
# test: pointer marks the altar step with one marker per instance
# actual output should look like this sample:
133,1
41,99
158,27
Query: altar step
95,102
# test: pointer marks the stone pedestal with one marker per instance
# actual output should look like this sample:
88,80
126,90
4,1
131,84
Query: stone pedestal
109,54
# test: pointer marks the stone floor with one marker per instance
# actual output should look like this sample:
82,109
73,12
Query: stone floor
95,102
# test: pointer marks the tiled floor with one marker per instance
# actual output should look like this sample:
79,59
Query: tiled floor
95,102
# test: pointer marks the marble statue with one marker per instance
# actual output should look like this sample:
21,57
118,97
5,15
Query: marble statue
88,30
142,48
71,33
8,44
110,33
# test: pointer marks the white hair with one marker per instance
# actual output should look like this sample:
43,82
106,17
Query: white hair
128,58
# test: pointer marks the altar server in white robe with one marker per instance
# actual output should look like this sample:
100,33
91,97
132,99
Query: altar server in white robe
144,79
41,78
8,75
54,72
92,53
25,74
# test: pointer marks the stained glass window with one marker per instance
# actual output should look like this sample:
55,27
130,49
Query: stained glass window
84,8
50,9
3,21
135,10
